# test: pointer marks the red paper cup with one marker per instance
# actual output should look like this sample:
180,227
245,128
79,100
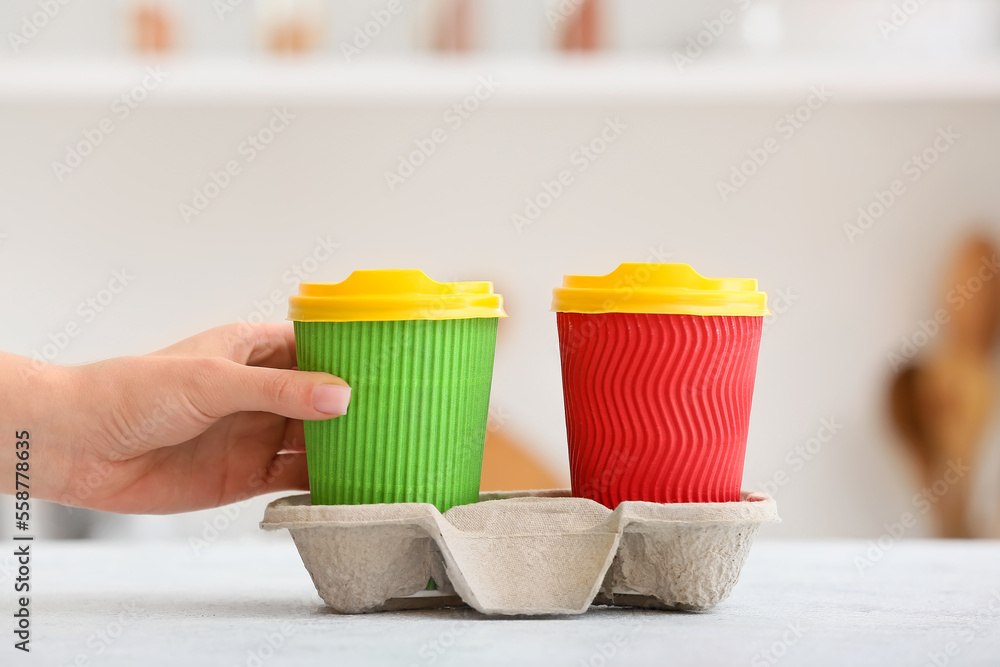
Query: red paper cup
658,403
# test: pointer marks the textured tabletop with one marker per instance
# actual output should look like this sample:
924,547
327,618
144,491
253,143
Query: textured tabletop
252,604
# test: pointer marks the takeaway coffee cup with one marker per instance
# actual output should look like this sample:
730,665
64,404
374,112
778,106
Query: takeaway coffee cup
658,367
418,355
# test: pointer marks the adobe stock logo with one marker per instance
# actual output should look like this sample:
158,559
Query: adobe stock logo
780,303
786,126
899,16
703,40
34,23
582,158
454,117
121,109
957,298
913,168
87,311
779,647
923,502
249,149
380,20
797,457
562,12
225,7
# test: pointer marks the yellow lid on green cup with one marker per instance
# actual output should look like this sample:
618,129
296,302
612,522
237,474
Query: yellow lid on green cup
670,289
393,294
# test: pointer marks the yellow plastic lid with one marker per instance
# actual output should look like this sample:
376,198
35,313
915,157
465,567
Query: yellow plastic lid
673,289
393,294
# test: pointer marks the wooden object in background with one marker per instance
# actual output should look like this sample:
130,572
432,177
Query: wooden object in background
291,36
453,26
942,402
507,466
291,26
152,27
582,31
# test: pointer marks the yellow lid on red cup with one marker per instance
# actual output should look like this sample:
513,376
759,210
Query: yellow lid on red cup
670,289
393,294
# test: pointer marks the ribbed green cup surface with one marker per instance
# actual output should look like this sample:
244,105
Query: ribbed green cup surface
416,425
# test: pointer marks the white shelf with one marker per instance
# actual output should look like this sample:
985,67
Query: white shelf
521,81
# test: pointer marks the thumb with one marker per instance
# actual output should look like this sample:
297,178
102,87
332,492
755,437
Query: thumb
232,387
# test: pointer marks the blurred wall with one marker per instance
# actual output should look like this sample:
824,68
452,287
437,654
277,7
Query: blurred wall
841,305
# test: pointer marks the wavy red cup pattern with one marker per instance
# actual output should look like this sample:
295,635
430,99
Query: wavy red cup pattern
657,406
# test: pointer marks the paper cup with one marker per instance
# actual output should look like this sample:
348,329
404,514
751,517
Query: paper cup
658,401
416,425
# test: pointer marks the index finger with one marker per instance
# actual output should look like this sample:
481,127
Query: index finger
268,344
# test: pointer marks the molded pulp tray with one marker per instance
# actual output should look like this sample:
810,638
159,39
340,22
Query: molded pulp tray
525,552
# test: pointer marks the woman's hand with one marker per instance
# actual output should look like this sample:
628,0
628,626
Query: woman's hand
212,420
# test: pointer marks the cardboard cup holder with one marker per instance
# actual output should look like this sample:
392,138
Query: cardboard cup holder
524,552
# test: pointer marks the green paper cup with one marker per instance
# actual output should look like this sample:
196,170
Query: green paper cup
418,356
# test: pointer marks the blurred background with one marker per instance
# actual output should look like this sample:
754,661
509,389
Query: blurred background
171,166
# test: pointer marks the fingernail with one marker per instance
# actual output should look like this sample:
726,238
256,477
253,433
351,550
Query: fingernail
332,399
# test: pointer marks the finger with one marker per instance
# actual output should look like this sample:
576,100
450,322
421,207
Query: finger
220,387
287,472
268,344
274,348
294,439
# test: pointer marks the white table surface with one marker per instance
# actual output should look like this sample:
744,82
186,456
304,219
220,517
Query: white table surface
215,607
